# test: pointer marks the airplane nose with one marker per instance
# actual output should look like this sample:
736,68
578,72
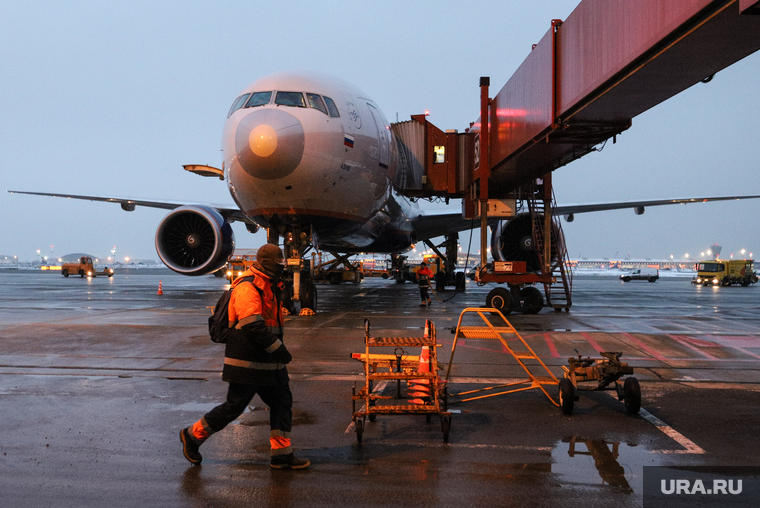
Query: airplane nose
269,143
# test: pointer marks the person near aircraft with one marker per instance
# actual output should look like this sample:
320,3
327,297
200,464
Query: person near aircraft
255,361
423,276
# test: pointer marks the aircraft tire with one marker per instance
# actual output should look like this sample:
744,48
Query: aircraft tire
309,295
632,394
501,299
532,301
566,396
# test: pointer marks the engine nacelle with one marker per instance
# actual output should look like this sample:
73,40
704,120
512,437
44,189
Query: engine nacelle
570,217
194,240
513,241
638,210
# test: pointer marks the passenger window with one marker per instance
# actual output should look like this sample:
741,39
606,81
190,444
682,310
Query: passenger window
315,101
259,99
290,99
238,104
331,107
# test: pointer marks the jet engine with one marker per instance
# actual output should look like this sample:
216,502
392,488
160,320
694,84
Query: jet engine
513,241
194,240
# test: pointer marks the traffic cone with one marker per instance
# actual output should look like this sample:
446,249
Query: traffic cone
424,366
160,292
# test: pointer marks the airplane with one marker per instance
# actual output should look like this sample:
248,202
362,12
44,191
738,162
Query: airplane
314,161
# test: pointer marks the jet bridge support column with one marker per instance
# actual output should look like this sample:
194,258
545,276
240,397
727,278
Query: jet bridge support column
484,168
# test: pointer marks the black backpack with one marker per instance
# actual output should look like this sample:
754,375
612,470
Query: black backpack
219,322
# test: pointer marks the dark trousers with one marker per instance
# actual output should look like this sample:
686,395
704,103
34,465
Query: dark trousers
424,293
278,398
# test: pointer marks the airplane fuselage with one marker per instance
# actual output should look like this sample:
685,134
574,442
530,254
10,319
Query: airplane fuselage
316,154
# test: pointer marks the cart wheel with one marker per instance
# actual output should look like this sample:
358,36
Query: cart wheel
566,396
632,392
359,430
446,428
427,418
372,418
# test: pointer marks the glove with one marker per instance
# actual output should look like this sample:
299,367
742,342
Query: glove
282,355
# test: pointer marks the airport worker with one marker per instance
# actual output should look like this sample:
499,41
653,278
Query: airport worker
423,276
254,363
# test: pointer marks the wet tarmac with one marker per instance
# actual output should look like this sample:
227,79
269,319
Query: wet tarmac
97,376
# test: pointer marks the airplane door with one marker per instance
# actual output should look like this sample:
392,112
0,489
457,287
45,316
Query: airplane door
383,137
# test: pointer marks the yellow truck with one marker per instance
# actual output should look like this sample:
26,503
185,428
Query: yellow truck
238,264
721,272
84,268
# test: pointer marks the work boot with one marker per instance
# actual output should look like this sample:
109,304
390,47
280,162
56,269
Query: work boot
190,447
289,461
422,304
428,303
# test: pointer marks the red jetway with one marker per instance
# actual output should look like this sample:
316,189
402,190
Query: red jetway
608,62
581,85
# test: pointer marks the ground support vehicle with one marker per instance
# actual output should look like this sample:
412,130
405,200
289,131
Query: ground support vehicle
504,332
606,372
725,272
84,268
338,269
237,264
426,394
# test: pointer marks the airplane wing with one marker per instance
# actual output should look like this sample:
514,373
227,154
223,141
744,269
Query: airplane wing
232,214
432,226
639,205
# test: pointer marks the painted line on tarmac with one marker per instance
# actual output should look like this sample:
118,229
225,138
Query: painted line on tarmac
689,446
378,389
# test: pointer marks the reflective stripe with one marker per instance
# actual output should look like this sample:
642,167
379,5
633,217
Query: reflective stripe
253,365
274,347
200,431
249,319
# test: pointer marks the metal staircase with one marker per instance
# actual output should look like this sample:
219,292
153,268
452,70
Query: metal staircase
559,290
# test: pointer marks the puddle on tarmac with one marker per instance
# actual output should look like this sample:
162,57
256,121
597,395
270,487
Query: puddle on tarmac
603,464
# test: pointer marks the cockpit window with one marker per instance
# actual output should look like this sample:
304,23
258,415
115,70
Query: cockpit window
238,104
315,101
331,107
258,99
290,99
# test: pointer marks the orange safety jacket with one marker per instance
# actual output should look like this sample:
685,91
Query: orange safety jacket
255,316
423,276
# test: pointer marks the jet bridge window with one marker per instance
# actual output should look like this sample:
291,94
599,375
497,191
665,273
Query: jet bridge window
238,104
290,99
331,107
258,99
315,101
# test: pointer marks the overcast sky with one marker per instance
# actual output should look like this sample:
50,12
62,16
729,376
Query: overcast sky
112,98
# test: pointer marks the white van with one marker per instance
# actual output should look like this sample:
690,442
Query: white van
650,274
